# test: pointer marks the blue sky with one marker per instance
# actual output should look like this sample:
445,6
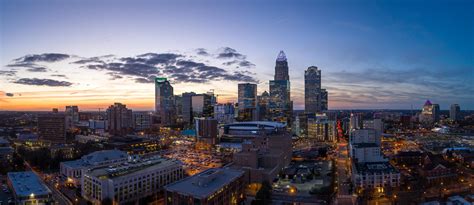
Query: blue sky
373,54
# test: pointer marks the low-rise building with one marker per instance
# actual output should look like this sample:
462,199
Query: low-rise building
375,175
28,188
213,186
73,169
129,181
436,170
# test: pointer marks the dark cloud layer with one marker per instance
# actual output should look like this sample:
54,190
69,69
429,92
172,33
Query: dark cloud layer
42,82
227,52
145,67
45,57
9,94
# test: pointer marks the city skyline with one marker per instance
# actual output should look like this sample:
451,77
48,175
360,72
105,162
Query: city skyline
395,57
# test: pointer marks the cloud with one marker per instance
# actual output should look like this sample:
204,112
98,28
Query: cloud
31,67
177,67
239,63
227,52
42,82
59,75
45,57
9,94
9,73
202,51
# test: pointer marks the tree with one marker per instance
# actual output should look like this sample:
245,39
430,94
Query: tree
264,194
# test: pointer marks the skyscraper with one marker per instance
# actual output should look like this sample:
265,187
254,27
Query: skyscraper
119,119
280,106
262,105
187,107
312,90
247,98
454,112
281,67
164,101
429,113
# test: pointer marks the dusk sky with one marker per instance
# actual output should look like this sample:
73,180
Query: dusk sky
373,54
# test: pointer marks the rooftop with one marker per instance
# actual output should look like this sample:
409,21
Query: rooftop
27,183
126,168
258,123
375,167
364,145
96,157
281,56
205,183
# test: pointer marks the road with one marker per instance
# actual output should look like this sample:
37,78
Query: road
343,166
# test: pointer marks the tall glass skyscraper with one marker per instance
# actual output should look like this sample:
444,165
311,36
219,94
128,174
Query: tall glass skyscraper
315,98
280,106
164,101
247,98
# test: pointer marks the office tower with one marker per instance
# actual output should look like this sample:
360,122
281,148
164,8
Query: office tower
436,112
213,186
263,101
202,105
355,121
72,116
281,67
164,102
321,128
187,107
206,130
178,108
454,112
281,107
52,127
142,120
119,119
224,113
247,98
376,124
312,90
129,182
430,113
324,100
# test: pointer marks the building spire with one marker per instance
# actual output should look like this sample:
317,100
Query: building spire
281,56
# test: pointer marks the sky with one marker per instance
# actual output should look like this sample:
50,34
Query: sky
373,54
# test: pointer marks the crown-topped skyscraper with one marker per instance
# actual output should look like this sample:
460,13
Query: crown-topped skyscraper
280,105
281,67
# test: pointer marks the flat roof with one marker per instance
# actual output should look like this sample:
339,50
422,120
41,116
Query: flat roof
127,168
364,145
96,157
27,183
257,123
205,183
375,167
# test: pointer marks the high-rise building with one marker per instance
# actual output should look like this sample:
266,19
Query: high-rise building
142,120
315,98
224,113
164,101
52,127
312,90
202,105
72,116
263,101
187,107
247,98
206,130
355,121
430,112
321,128
281,106
281,67
119,119
454,111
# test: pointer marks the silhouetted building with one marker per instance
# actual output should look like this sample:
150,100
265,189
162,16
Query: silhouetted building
187,107
119,119
280,106
312,90
52,127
